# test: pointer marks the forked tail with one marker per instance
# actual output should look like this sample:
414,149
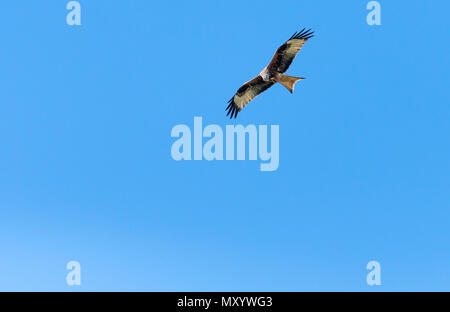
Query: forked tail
288,81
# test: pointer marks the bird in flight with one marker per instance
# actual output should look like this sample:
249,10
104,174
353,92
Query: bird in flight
271,74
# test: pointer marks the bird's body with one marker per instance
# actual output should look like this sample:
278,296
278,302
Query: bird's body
271,74
266,75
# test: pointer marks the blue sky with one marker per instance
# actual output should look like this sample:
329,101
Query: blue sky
86,172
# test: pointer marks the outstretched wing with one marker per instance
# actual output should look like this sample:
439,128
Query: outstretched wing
246,93
287,52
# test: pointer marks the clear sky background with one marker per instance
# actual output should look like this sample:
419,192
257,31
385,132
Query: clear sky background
86,172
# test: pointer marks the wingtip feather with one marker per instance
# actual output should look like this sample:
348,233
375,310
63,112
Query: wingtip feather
232,109
303,34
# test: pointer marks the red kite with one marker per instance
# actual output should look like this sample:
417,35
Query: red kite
273,73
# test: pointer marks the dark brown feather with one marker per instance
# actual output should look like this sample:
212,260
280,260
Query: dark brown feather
246,93
286,53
